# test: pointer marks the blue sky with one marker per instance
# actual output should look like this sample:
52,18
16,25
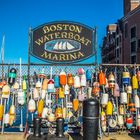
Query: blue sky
18,15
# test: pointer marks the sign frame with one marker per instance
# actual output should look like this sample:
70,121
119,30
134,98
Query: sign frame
93,44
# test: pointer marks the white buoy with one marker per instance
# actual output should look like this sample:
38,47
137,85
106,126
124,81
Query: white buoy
83,81
120,120
104,99
77,82
137,101
123,98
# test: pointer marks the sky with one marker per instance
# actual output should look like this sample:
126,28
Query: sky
18,15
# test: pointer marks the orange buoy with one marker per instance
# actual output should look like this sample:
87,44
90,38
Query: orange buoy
102,78
70,80
96,88
63,78
75,104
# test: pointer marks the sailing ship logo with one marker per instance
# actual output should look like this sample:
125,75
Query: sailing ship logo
62,46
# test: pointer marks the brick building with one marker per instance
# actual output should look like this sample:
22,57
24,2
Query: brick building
126,36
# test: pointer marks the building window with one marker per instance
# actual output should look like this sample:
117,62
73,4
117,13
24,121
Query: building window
133,32
138,43
133,59
120,38
126,30
117,41
118,61
133,47
117,53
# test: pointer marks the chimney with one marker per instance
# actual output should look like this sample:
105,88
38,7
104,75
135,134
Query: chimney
130,5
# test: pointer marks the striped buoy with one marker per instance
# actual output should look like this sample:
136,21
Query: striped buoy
126,77
129,121
132,105
51,88
111,80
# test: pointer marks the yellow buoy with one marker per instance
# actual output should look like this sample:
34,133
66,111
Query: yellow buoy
109,108
58,112
1,111
24,84
12,110
45,84
11,119
51,117
40,107
16,86
61,93
6,90
64,112
134,82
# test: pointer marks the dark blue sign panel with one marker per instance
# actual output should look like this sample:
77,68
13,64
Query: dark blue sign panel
62,42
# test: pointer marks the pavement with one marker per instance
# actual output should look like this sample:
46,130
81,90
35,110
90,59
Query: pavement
112,136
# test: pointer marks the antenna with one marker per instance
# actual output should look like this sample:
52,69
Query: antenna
2,55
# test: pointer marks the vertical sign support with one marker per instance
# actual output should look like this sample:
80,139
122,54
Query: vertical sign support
96,47
29,47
